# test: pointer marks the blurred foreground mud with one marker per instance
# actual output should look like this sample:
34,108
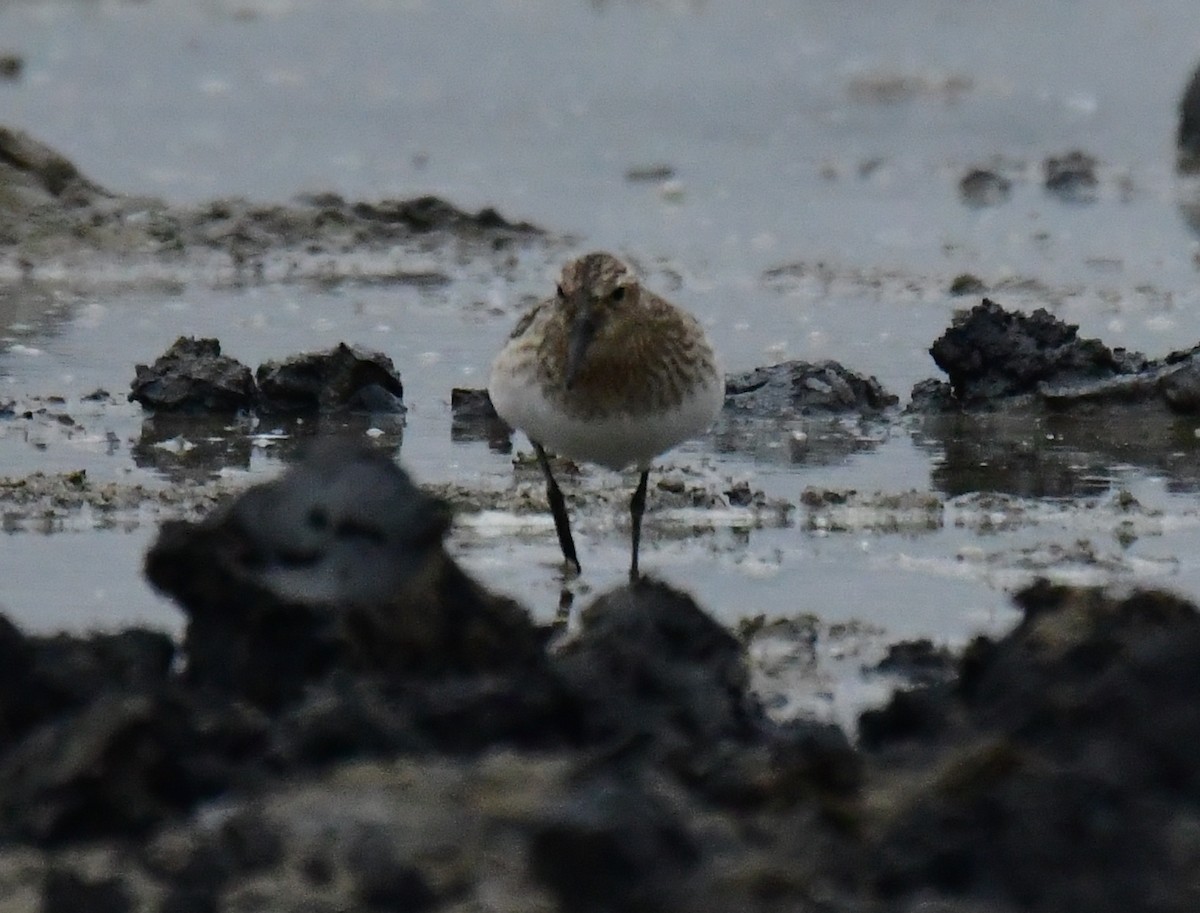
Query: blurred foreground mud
351,722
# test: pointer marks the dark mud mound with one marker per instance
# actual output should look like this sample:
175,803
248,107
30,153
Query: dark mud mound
1072,177
1061,764
1187,138
338,564
344,377
32,174
193,376
995,357
981,187
652,664
801,412
51,213
423,214
802,388
990,353
94,744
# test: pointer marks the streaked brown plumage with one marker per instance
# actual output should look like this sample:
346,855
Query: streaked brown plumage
606,372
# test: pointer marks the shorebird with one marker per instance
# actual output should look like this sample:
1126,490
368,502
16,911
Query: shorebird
606,372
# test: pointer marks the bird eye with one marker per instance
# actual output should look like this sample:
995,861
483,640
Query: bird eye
561,293
618,293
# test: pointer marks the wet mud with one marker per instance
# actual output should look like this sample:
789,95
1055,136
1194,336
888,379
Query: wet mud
54,219
351,721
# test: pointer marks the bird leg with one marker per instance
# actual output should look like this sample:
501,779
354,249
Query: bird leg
558,507
637,507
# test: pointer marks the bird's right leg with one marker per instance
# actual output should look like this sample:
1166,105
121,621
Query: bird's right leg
558,507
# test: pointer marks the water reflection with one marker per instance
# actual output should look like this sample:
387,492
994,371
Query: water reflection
197,448
811,441
193,448
30,310
1040,454
473,418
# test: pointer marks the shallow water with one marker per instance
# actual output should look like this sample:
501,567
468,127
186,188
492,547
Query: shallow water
813,213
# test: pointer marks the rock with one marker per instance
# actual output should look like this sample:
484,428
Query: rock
981,187
802,388
338,564
1072,177
990,353
344,378
193,376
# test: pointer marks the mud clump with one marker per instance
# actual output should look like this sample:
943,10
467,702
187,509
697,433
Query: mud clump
1187,137
377,729
80,759
669,670
344,377
1180,382
52,215
337,565
967,284
32,173
804,388
919,662
982,187
994,357
422,214
1072,177
1060,752
193,377
11,67
991,353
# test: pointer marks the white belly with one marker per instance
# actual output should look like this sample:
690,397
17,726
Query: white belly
615,441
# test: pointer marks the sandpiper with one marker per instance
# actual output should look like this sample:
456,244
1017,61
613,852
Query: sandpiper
606,372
